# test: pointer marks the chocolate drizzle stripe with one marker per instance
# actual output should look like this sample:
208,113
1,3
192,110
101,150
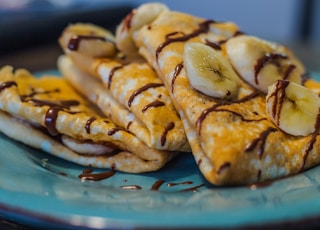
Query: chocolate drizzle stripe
261,62
156,185
213,108
311,143
289,70
203,28
142,89
261,139
128,20
88,124
88,175
223,167
115,130
240,115
74,42
214,45
51,119
155,103
63,104
177,71
34,93
129,124
111,74
7,84
164,134
279,96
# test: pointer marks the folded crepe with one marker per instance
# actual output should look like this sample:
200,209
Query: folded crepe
127,90
48,114
231,133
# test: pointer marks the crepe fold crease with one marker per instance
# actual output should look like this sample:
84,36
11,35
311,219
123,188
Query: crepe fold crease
48,114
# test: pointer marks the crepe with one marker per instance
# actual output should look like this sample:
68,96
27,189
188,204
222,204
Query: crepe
127,91
233,141
48,114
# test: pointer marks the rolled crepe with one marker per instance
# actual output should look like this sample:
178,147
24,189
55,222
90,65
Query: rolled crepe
128,92
233,142
48,114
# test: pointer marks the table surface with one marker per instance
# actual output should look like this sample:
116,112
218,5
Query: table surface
44,57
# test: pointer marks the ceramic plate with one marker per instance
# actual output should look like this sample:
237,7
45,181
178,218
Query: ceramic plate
40,190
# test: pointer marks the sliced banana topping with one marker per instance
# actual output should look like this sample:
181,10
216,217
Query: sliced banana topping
209,72
86,148
293,108
261,63
137,18
88,39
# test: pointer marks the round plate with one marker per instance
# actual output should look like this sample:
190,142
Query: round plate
41,190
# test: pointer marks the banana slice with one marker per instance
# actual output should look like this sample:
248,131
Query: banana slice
88,39
209,72
137,18
261,63
293,108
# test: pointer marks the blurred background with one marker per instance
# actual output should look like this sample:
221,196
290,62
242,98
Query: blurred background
33,26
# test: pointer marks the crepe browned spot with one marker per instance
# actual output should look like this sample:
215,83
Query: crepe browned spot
42,112
233,142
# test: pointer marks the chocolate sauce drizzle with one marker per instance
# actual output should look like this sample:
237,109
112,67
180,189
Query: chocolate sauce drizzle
155,103
164,135
223,167
63,104
114,130
156,185
171,38
142,89
215,107
88,124
177,71
74,42
52,113
88,175
267,58
112,71
311,143
279,97
34,93
261,139
51,119
7,84
214,45
128,20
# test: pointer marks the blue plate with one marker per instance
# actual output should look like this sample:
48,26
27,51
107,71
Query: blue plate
41,190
